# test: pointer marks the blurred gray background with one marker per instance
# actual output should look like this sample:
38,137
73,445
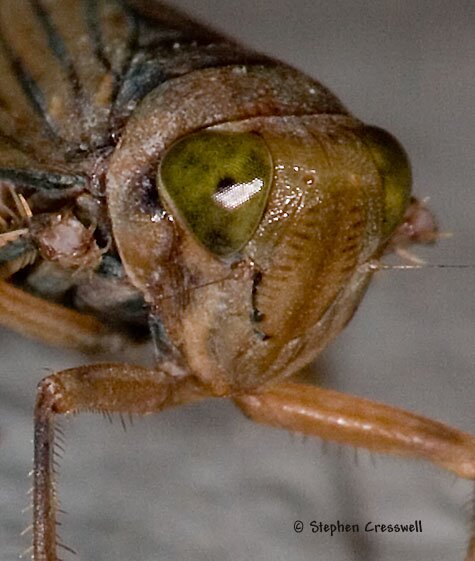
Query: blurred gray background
204,483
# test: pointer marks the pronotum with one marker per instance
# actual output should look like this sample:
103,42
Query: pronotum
386,366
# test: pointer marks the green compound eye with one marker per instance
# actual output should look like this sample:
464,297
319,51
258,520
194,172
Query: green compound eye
394,167
218,183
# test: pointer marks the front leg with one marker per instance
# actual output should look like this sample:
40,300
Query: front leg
110,388
363,423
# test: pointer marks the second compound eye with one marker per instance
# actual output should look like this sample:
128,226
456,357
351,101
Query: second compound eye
218,184
395,171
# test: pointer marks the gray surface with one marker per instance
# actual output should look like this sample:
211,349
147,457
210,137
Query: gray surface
205,483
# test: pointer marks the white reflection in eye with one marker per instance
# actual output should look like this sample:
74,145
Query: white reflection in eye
235,195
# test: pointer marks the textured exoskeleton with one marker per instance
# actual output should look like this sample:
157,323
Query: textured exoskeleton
159,179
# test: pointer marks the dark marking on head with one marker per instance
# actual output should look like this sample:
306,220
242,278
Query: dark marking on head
261,335
149,201
256,315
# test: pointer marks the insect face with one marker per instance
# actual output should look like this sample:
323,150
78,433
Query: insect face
266,227
239,303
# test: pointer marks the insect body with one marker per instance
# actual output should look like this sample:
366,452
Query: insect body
161,178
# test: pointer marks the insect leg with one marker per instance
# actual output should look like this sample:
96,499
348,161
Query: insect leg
54,324
106,388
363,423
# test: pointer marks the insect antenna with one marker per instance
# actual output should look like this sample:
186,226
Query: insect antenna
376,266
426,266
234,273
190,289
